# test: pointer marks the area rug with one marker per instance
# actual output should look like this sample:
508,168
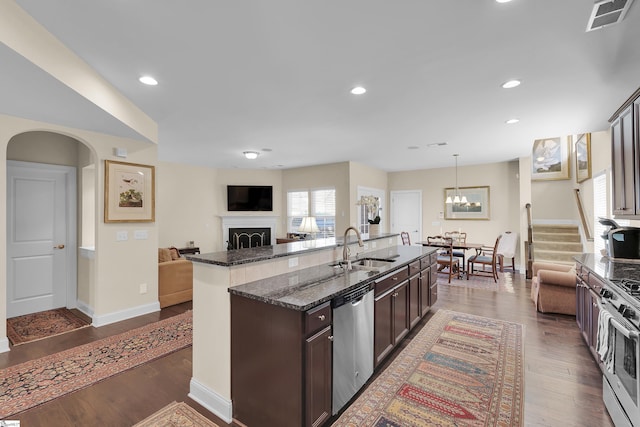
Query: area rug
485,283
38,381
45,324
176,414
459,370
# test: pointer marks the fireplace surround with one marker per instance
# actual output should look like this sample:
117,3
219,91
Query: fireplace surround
253,229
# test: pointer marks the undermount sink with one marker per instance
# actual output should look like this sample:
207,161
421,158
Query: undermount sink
373,262
364,263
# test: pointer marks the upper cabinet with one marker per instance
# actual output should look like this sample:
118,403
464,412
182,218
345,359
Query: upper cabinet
625,158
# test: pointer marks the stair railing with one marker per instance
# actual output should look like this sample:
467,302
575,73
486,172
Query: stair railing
528,247
583,217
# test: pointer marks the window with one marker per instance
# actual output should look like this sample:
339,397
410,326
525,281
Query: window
320,203
599,209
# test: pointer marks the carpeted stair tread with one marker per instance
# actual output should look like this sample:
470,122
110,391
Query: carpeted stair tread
556,243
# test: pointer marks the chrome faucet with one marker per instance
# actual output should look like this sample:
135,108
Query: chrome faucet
345,249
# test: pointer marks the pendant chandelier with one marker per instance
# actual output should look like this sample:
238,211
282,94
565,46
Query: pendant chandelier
457,198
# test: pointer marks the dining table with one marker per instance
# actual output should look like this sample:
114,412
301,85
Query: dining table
455,245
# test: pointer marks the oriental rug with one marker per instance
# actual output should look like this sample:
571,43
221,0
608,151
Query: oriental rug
459,370
44,324
176,414
32,383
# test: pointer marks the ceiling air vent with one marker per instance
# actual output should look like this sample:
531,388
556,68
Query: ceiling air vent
608,12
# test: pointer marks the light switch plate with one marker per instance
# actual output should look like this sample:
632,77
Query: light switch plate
141,234
293,262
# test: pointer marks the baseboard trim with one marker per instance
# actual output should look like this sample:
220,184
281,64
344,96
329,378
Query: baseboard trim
211,400
84,308
117,316
4,345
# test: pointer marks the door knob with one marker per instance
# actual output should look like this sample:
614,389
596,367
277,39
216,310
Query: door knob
59,247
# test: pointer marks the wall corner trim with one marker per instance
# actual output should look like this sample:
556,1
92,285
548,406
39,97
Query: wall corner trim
211,400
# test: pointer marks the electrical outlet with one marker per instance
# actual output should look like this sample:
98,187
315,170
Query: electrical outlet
293,262
373,245
143,288
121,236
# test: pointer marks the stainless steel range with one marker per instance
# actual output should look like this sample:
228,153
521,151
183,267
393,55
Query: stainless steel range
619,349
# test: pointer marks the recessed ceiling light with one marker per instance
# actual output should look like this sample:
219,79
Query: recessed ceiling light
512,121
251,154
148,80
511,84
503,1
358,90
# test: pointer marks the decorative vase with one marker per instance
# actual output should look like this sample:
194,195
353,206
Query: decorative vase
374,229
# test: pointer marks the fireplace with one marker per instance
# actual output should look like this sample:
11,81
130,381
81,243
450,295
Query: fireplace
248,237
259,230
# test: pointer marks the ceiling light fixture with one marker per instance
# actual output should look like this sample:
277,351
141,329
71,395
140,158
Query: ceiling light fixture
512,121
457,200
358,90
511,84
148,80
503,1
251,154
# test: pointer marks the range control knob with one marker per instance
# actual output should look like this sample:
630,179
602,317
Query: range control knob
628,313
606,293
622,308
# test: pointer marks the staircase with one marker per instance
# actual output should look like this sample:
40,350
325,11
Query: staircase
557,243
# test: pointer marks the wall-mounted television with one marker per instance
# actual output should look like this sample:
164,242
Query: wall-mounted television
249,198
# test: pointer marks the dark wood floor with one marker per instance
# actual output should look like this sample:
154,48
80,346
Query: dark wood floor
563,385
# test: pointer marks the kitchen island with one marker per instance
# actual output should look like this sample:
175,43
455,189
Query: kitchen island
292,278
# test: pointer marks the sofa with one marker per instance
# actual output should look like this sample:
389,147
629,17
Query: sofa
553,288
175,277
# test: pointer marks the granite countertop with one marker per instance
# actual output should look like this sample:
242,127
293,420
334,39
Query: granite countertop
610,269
248,255
309,287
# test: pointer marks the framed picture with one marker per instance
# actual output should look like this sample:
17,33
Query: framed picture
129,192
583,157
550,159
475,207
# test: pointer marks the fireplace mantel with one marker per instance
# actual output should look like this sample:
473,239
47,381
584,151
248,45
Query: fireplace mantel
248,221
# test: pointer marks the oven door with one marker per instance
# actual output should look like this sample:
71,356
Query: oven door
623,377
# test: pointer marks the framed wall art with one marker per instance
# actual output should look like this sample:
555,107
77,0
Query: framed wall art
474,203
583,157
129,192
550,159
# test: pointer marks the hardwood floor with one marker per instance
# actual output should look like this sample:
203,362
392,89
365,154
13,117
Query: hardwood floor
563,385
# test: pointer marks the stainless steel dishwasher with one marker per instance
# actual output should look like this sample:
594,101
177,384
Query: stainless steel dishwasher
352,343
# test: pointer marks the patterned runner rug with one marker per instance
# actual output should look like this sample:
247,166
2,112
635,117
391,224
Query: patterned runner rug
459,370
36,326
177,414
32,383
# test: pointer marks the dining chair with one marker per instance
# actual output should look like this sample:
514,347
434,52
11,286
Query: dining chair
486,256
507,249
405,238
447,263
458,237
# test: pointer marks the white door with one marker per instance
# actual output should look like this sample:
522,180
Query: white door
406,213
38,246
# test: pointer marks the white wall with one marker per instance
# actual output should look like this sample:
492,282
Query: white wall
503,182
119,268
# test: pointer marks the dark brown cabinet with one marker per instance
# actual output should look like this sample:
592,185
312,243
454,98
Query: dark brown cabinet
318,379
401,300
625,159
282,364
391,320
587,309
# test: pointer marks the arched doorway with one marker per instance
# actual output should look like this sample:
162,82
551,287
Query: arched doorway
42,220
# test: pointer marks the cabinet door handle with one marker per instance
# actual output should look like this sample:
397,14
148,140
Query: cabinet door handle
322,317
330,337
